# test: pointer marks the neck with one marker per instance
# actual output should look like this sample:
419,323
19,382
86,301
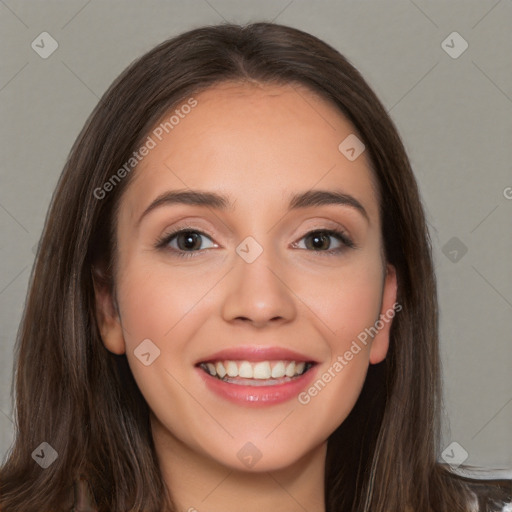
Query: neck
197,483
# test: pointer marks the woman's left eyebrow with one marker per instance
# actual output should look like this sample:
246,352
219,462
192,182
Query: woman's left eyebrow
218,201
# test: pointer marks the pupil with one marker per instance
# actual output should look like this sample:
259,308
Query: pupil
319,239
190,239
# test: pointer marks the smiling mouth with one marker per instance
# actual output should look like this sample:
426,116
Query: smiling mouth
261,373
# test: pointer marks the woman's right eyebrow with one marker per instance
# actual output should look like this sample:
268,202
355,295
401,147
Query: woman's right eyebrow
218,201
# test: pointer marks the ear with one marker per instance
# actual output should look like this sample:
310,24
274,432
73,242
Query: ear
380,343
107,312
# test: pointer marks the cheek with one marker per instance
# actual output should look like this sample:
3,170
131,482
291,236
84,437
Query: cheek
345,301
163,307
155,300
167,308
348,305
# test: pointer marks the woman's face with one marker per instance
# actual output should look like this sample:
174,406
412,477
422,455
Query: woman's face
257,289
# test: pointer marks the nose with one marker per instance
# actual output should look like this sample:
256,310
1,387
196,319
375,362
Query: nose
258,293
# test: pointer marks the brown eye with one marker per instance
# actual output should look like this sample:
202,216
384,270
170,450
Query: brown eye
321,241
188,241
184,241
318,241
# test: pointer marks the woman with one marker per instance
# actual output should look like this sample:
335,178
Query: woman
233,303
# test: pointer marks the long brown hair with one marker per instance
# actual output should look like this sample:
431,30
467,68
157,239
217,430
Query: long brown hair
83,401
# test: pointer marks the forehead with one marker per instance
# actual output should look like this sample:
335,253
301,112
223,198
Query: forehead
253,143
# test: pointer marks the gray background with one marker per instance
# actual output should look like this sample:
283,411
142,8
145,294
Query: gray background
454,115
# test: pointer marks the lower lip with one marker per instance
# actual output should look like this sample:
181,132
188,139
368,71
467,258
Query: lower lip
258,395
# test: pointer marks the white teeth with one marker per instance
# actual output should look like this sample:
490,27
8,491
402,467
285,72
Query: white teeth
290,369
221,371
245,370
262,370
232,369
278,371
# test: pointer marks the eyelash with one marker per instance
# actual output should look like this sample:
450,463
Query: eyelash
162,242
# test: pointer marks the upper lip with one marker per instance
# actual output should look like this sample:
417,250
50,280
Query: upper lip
255,354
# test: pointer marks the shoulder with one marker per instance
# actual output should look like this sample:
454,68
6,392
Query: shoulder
484,489
491,495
